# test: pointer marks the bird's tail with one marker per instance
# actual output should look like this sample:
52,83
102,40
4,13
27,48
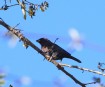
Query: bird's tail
75,59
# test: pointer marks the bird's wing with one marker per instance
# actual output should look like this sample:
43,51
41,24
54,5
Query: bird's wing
60,50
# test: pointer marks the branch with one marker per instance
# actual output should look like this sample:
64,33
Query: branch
84,69
31,7
29,43
100,66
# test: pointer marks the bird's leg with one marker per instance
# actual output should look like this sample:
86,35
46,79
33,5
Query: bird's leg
50,58
46,54
53,55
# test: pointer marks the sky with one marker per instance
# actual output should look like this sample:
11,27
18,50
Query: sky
85,16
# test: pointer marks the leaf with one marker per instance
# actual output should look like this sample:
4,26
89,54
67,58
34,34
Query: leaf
42,8
31,10
46,4
23,7
24,13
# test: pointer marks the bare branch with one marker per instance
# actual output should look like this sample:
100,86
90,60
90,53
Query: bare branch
80,68
91,83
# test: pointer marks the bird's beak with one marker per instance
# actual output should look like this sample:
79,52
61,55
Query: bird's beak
37,40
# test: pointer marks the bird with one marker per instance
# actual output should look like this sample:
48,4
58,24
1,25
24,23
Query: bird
54,51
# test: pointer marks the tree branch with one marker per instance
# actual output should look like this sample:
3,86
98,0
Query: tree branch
31,7
84,69
29,43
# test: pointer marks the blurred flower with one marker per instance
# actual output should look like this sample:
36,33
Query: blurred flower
2,82
25,80
13,39
77,40
60,81
2,76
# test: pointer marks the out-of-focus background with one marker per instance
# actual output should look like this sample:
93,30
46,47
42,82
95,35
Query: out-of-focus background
80,27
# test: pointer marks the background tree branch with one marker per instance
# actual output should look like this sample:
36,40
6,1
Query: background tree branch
32,8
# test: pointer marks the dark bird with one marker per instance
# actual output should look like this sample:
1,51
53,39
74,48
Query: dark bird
54,51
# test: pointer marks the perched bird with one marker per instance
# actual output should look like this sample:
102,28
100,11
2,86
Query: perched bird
54,51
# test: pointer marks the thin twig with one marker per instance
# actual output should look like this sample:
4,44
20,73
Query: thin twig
91,83
84,69
13,5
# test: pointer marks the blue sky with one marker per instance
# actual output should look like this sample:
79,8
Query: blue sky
86,16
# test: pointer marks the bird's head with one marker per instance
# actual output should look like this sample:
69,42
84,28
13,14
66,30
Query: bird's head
42,40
